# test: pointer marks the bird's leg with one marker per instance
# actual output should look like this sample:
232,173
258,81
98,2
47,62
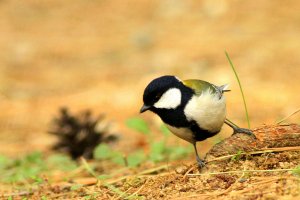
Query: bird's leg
201,163
237,129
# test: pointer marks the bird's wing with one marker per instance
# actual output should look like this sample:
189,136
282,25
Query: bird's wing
199,86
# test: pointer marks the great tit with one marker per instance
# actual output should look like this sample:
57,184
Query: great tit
193,110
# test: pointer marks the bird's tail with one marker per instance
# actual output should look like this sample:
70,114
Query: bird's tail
224,88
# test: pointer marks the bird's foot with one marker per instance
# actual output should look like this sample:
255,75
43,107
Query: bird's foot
200,162
243,130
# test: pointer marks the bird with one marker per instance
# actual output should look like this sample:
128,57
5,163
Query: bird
192,109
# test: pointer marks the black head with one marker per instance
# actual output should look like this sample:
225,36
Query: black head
156,88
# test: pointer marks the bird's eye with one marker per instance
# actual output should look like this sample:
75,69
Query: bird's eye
157,96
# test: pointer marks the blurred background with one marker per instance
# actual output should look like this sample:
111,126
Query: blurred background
100,55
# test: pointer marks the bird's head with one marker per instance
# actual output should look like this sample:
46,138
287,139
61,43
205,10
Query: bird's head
162,93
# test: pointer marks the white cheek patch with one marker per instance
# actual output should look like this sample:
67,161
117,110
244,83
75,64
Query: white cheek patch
171,99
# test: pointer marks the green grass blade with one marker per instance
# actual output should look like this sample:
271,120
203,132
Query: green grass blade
88,167
241,89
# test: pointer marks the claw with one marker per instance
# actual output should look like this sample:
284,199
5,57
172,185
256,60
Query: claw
201,163
242,130
237,129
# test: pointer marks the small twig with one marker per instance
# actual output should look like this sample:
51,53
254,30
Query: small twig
241,191
260,193
114,190
231,186
194,195
285,118
137,190
243,171
191,169
155,169
154,175
278,149
113,181
93,181
266,150
22,193
147,171
260,183
109,184
266,181
123,193
61,194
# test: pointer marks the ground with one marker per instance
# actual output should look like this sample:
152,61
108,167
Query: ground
99,55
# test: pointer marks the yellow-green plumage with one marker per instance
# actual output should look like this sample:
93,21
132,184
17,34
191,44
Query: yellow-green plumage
199,86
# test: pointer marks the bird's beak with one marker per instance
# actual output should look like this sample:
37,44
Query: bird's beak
144,108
